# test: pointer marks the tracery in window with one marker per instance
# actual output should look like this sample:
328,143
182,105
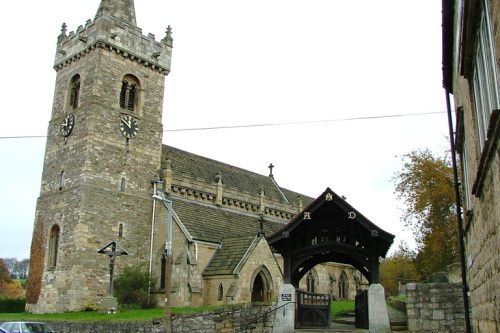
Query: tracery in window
311,282
343,285
55,233
74,92
129,93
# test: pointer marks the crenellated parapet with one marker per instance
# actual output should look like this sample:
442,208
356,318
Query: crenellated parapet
115,35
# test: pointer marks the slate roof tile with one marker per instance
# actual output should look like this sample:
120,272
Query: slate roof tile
227,258
212,223
244,181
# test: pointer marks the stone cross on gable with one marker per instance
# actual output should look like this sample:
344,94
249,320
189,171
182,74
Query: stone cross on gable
271,166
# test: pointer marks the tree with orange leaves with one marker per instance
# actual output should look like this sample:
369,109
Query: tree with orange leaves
425,185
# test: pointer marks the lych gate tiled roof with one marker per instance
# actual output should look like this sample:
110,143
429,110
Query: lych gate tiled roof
212,223
244,181
227,258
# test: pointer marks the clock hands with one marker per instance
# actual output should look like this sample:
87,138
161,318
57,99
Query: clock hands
128,126
67,124
128,123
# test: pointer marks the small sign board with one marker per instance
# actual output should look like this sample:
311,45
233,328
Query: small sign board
286,297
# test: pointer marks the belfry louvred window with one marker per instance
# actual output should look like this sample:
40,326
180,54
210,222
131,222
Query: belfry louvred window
129,93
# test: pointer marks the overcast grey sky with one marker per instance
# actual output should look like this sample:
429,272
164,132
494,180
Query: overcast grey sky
337,70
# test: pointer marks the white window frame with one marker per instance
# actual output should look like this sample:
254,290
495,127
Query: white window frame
485,77
467,186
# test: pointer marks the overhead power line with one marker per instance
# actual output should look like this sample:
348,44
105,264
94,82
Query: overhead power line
265,125
303,122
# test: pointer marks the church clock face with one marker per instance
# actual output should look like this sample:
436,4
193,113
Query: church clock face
128,126
67,124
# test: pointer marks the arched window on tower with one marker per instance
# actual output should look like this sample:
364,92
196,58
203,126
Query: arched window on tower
120,230
129,93
74,92
55,233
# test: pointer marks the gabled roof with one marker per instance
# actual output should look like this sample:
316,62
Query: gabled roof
211,223
231,256
240,180
333,208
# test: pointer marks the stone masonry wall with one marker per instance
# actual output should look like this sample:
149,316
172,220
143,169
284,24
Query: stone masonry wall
435,307
221,320
481,222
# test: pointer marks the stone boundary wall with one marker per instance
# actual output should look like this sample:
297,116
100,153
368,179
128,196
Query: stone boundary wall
221,320
435,307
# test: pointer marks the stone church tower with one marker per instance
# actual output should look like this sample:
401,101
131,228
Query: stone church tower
104,145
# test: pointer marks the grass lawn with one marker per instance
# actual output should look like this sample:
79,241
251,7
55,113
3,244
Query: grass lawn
96,316
340,308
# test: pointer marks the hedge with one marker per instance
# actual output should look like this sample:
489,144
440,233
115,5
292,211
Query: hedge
9,305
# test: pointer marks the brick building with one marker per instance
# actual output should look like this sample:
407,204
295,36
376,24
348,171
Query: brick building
104,158
471,58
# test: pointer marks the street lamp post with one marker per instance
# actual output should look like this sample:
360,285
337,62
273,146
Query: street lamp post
168,260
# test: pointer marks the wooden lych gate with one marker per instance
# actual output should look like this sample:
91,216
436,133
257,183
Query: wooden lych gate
330,230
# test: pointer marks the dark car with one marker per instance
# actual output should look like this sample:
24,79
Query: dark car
26,327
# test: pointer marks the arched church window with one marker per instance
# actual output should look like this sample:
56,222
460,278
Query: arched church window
220,292
74,92
343,285
311,282
120,230
129,93
55,233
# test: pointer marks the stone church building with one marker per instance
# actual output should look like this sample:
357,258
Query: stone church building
104,162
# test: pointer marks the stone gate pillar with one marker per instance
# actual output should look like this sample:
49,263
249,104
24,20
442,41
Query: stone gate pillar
284,320
378,317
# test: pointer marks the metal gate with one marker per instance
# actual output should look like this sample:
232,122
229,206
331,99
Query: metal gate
313,310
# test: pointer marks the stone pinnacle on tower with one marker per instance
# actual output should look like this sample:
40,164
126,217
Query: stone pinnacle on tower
121,9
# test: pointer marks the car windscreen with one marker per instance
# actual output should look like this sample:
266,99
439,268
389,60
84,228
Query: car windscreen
38,328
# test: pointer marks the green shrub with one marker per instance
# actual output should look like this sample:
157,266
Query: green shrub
132,287
90,306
